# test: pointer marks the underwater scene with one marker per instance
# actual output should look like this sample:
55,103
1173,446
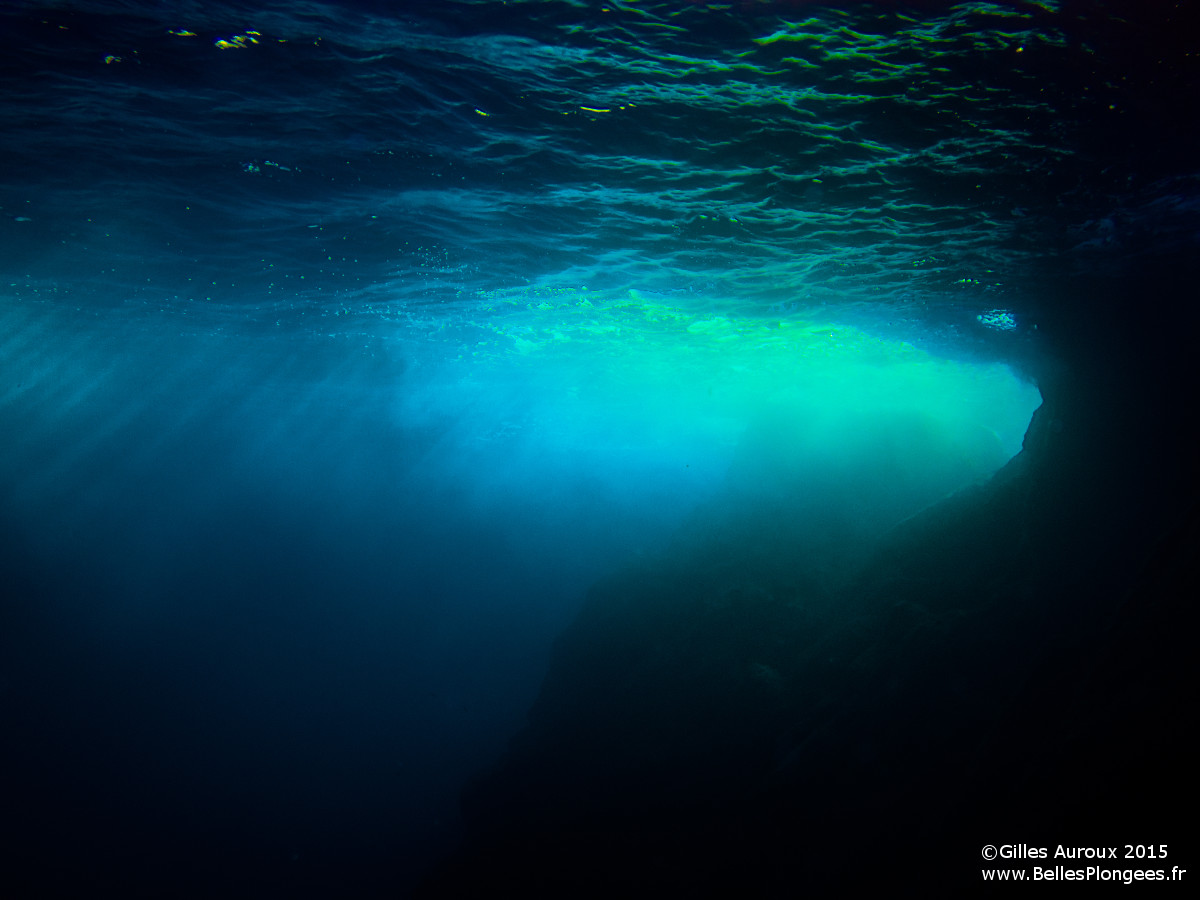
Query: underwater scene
561,448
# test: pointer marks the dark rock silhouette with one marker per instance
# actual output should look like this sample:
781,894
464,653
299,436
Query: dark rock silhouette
754,715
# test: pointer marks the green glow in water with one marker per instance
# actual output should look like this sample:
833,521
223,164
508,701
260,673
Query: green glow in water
564,374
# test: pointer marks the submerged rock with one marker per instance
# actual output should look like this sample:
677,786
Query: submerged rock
753,713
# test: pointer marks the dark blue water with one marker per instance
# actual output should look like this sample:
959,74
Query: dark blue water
344,346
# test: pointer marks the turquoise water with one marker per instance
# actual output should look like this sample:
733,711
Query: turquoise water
345,347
